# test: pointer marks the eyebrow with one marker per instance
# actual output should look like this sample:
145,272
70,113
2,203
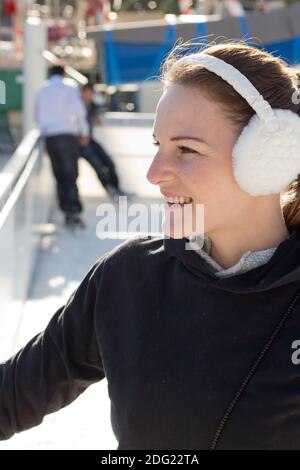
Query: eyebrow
185,137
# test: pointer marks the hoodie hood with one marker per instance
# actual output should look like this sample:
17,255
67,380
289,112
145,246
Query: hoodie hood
282,268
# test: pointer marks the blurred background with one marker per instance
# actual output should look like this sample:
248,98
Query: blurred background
117,46
122,63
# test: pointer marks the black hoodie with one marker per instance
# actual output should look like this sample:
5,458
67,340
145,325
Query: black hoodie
192,361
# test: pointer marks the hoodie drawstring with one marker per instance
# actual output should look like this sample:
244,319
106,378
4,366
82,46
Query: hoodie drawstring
251,373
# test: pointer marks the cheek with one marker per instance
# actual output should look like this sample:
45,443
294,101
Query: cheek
210,180
201,182
195,175
213,184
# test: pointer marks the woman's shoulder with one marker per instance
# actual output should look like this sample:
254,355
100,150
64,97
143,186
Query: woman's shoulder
133,250
137,246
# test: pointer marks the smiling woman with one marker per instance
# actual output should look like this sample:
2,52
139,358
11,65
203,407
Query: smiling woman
205,114
192,360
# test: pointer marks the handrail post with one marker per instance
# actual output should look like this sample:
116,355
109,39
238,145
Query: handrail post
34,67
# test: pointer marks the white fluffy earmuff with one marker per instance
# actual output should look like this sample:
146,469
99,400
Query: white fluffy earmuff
266,155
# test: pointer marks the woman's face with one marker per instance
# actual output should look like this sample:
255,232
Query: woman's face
192,168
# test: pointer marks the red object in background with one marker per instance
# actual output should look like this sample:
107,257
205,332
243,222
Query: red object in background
90,9
99,5
185,7
96,9
58,31
10,7
93,6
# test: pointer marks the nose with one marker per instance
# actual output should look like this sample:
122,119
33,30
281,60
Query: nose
160,169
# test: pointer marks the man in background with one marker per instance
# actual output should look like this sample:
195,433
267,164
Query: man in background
94,153
61,117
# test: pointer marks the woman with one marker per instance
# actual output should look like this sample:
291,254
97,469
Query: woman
202,350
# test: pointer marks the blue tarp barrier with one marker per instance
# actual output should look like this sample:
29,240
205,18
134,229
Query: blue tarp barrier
130,63
244,28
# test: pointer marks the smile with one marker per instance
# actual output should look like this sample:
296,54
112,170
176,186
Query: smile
178,200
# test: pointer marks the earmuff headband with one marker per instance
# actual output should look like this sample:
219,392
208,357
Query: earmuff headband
239,82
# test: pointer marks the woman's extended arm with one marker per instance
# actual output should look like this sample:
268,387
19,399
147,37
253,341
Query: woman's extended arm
56,365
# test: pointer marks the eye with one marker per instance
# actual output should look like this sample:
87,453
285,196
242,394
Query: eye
186,150
183,149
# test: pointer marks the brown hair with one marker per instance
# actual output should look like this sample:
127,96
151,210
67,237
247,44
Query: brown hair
270,75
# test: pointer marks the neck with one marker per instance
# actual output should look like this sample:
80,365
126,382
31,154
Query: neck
265,229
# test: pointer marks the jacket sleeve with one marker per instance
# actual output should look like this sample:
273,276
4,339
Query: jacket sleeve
56,365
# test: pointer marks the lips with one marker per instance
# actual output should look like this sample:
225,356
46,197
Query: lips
168,195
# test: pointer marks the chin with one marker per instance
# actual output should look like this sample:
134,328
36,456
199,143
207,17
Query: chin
172,231
183,224
177,232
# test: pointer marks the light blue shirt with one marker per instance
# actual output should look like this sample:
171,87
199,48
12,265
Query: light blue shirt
59,108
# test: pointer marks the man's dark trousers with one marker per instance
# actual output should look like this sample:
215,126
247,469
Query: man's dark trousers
95,154
63,151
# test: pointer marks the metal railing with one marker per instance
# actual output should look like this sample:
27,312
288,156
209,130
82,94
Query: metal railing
26,197
15,167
